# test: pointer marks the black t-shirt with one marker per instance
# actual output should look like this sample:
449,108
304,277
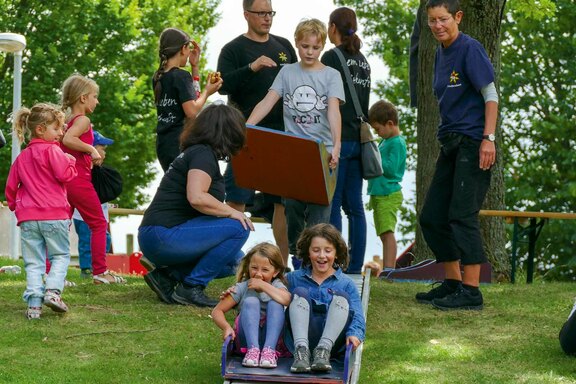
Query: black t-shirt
245,88
170,207
177,89
360,71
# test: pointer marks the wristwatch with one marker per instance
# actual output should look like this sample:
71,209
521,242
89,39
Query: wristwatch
491,137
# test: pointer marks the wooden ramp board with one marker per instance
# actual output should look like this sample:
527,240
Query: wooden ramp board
285,165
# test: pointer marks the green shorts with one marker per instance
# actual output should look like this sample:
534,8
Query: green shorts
385,211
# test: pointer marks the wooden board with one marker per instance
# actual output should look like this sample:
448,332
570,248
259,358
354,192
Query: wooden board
286,165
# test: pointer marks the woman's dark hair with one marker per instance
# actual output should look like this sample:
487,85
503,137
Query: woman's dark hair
345,21
332,235
453,6
171,42
218,125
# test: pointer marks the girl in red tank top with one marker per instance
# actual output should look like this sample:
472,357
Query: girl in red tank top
80,98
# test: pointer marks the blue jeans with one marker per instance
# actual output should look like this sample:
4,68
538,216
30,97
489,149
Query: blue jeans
84,250
196,251
41,239
348,196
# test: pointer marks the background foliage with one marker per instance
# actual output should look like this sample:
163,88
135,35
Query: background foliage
115,43
538,94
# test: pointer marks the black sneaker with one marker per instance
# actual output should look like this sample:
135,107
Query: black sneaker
460,299
321,362
162,284
192,295
146,263
301,362
438,292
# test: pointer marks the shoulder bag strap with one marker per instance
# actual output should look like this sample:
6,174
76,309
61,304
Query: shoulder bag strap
351,87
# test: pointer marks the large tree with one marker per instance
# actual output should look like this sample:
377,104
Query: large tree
115,43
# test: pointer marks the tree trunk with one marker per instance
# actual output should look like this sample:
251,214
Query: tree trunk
482,21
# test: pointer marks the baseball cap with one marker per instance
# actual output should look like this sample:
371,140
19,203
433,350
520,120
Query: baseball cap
99,139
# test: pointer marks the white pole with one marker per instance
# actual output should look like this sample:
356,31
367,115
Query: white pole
17,101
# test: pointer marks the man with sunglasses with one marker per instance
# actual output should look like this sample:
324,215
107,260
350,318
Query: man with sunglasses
248,65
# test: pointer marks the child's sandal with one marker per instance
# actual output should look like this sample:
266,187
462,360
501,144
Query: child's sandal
33,313
108,278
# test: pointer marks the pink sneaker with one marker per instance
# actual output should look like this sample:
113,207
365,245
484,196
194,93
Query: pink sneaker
251,358
268,358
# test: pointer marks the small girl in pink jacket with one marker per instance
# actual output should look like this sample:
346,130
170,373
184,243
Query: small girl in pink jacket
36,191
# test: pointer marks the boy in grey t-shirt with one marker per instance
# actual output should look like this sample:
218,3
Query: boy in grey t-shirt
311,94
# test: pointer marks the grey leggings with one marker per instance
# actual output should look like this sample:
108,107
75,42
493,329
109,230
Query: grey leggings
311,327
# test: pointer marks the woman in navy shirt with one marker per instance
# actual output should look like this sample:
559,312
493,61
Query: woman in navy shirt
468,102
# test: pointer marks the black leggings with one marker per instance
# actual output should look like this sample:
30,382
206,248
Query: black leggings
568,335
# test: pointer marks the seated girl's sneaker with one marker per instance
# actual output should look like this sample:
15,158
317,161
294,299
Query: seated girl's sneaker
251,358
268,358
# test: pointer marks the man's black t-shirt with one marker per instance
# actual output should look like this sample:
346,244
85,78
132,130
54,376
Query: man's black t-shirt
246,88
170,207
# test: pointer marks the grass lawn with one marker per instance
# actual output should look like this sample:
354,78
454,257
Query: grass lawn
124,334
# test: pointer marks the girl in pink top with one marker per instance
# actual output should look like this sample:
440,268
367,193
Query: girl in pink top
80,98
36,191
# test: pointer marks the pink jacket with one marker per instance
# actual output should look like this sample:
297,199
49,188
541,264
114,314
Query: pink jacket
36,189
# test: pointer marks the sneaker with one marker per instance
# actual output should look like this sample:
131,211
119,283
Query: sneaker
268,358
33,313
251,357
108,277
86,273
162,284
321,360
146,263
438,292
461,298
192,295
53,300
301,360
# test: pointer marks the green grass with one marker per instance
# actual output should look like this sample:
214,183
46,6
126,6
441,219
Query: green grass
123,334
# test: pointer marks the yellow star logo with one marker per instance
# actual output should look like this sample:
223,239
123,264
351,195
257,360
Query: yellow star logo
454,77
282,56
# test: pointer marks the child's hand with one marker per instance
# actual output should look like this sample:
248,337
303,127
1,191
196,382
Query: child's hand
228,332
334,157
257,284
214,83
96,158
354,340
194,56
227,292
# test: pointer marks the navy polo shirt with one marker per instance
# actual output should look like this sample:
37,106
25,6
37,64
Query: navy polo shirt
460,72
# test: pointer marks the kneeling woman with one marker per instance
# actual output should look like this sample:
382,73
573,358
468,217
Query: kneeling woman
326,310
187,232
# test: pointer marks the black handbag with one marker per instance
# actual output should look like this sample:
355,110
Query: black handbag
369,153
107,182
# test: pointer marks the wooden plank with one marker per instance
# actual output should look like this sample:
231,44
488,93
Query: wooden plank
528,214
285,165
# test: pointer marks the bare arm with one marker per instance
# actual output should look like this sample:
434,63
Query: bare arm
335,121
197,186
72,140
219,319
280,295
193,107
488,148
263,107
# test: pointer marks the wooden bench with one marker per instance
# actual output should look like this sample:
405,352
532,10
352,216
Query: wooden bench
526,224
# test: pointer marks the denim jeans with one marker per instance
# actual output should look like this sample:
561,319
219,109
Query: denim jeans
41,239
449,217
84,236
348,196
196,251
300,215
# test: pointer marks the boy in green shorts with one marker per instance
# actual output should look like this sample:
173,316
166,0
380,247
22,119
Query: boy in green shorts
385,191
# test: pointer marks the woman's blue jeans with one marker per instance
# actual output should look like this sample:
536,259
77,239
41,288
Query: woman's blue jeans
348,196
196,251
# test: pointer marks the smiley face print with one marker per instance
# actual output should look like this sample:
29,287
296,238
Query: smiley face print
305,99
